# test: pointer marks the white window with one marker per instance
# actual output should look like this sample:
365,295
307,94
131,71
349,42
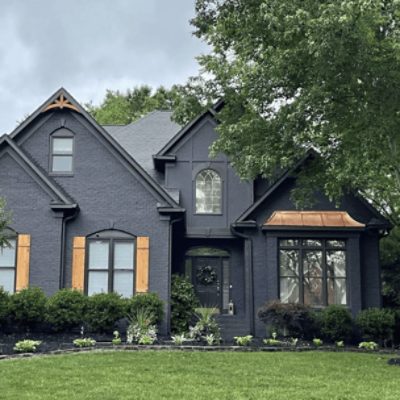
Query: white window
62,150
7,266
111,265
208,192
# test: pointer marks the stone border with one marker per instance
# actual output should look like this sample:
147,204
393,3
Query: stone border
107,347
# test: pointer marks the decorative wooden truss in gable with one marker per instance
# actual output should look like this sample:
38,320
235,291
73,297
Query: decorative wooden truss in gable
60,103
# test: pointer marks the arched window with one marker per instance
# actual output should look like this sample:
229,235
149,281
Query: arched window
208,192
111,263
8,261
61,151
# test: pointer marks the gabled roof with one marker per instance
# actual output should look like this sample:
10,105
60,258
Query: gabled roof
379,220
61,199
144,137
63,99
165,151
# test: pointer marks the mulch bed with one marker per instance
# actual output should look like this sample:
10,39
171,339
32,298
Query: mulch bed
62,344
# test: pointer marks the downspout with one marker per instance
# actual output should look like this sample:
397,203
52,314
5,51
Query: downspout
248,240
172,222
64,244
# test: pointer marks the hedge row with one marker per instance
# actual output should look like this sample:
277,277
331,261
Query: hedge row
68,309
333,323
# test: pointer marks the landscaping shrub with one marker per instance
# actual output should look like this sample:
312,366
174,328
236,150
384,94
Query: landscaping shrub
103,311
335,323
28,307
206,327
290,319
65,309
183,303
4,306
376,324
27,346
84,342
141,328
146,301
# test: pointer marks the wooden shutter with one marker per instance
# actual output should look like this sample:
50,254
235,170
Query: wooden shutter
78,263
23,255
142,264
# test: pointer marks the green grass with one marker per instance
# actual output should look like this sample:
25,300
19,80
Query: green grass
198,375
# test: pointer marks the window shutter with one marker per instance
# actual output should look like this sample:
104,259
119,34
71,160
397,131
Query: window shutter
142,264
78,263
23,255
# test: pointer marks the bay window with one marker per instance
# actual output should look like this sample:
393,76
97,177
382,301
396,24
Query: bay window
313,271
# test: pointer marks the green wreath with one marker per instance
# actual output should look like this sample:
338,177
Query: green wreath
206,275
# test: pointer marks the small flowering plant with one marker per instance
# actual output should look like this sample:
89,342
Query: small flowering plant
178,339
117,338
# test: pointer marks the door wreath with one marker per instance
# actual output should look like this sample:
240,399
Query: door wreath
206,275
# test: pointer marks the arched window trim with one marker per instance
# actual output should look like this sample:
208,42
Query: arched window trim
112,237
62,133
209,211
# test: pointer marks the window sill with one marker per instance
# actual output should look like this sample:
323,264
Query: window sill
64,174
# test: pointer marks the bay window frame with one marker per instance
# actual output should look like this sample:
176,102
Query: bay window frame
324,249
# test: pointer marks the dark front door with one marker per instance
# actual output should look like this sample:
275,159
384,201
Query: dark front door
207,274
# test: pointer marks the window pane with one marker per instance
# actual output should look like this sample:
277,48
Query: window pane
62,145
312,262
289,242
313,291
289,263
97,282
207,251
124,255
62,164
337,291
208,192
225,285
312,243
98,254
336,263
289,290
7,255
123,283
7,279
336,243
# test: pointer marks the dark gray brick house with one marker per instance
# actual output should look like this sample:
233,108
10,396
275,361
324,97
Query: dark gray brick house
122,208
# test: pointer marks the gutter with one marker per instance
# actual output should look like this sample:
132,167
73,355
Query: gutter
64,245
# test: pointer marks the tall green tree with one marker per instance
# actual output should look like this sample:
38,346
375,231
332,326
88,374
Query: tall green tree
300,74
121,108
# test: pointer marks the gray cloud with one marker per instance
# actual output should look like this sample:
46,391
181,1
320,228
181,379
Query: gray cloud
88,46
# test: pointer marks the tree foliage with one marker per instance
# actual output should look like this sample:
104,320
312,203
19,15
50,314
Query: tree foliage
308,74
121,108
5,217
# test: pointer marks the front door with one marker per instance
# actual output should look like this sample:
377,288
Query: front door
207,279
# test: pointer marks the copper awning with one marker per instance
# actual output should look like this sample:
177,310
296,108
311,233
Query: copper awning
325,219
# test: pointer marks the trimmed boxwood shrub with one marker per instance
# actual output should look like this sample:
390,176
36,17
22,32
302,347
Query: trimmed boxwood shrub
335,323
103,311
28,307
183,304
66,309
290,319
376,324
149,302
4,306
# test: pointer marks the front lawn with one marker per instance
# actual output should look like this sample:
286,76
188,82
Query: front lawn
199,375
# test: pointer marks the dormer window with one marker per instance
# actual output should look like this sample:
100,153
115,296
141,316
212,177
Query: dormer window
62,151
208,192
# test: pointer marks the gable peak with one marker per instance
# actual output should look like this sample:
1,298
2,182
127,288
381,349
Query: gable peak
61,102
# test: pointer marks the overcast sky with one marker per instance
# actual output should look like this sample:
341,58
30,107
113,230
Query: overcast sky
89,46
